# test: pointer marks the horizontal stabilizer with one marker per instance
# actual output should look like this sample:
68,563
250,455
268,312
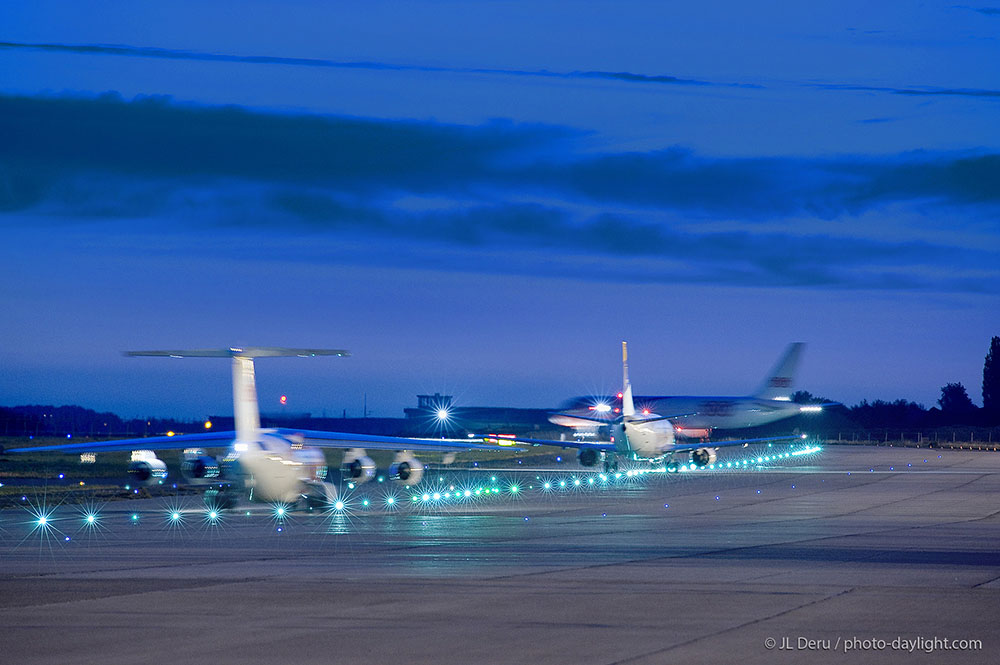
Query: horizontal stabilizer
242,352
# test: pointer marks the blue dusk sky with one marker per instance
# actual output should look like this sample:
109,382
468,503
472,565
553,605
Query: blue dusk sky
484,198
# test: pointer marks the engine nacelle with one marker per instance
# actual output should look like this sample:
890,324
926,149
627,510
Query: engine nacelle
200,467
703,456
407,470
145,468
589,457
357,467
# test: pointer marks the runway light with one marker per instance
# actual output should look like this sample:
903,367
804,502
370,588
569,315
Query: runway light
389,501
208,424
547,486
442,414
90,519
175,516
339,505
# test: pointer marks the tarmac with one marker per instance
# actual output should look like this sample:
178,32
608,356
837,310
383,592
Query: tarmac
851,555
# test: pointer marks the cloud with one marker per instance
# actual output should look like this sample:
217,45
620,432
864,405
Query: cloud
498,187
914,91
986,11
176,54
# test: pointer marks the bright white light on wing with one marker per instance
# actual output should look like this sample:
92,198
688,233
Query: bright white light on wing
811,408
602,407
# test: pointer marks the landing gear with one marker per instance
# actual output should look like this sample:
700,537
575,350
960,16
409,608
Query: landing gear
318,496
672,466
221,498
611,464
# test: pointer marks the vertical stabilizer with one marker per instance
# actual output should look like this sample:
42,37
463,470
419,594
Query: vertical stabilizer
628,407
778,384
246,413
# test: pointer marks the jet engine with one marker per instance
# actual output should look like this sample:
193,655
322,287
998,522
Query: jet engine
703,456
588,457
145,468
357,467
197,466
406,469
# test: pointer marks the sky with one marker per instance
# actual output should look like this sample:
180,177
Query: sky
483,199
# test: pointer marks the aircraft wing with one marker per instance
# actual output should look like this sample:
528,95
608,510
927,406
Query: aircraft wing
176,442
223,439
592,445
377,442
609,446
734,442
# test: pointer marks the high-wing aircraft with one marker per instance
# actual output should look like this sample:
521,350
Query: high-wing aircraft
697,417
645,435
279,465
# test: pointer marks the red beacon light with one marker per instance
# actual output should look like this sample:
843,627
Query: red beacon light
283,399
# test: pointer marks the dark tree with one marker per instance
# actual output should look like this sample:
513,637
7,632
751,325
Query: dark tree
955,402
991,383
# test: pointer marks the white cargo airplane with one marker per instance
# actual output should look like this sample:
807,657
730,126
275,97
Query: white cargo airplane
265,464
644,435
699,416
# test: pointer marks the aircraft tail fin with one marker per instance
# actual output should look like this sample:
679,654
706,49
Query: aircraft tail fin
246,412
780,381
628,406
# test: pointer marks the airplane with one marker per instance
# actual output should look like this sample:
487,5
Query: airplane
268,465
643,435
699,416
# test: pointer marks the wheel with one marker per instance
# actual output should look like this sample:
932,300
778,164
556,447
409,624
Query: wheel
221,499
